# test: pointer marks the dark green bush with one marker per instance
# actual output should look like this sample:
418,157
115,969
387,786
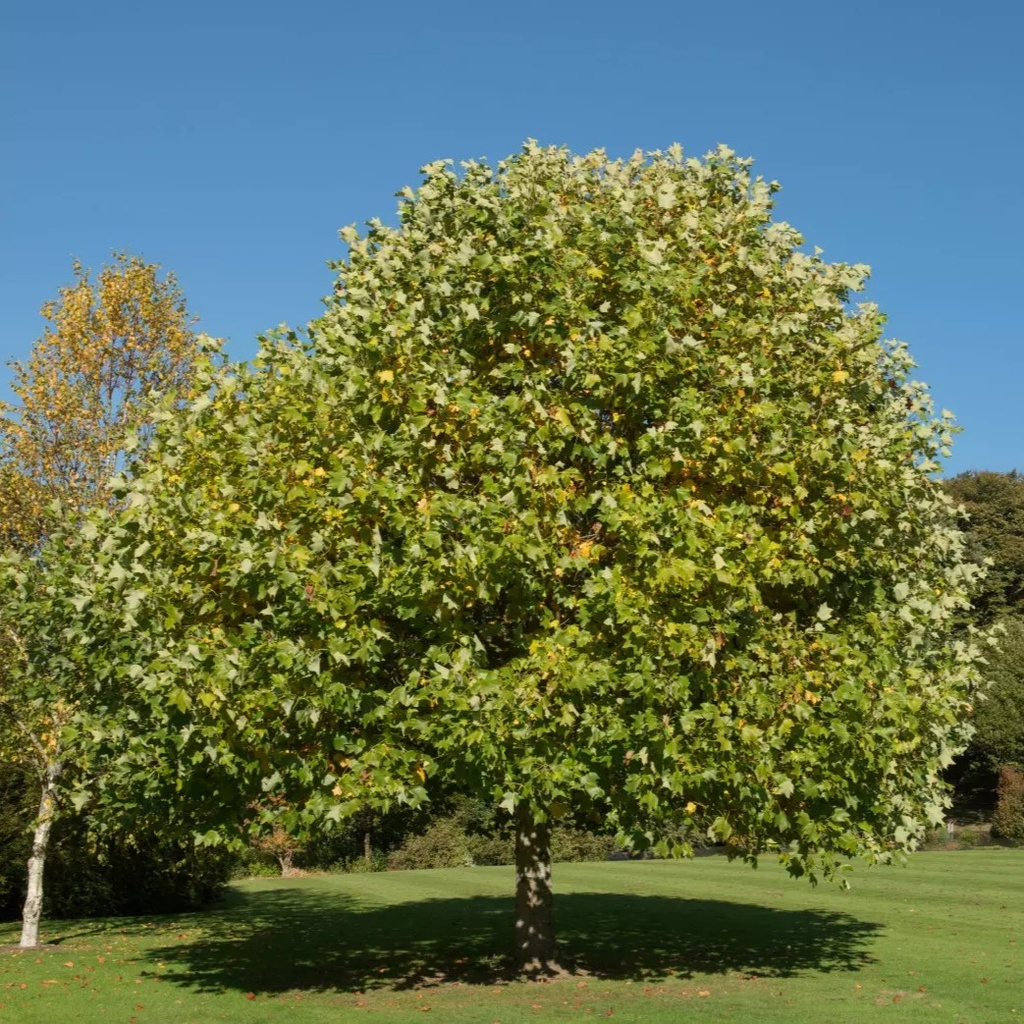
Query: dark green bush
1008,820
575,845
252,863
18,803
489,851
90,876
127,875
360,865
443,845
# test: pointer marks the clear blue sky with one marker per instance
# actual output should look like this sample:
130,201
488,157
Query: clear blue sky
229,142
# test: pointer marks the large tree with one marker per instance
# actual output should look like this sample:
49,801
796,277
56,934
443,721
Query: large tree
83,399
590,490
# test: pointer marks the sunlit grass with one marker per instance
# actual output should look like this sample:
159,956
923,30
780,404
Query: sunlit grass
708,940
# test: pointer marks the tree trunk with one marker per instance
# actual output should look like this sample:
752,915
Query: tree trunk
367,848
535,902
33,909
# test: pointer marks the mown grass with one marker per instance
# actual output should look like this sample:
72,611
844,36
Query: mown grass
651,941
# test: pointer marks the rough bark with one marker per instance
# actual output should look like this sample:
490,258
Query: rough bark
535,901
33,909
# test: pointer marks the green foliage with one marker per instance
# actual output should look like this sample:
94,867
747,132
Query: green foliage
97,876
1008,820
447,844
19,799
999,717
491,851
590,491
573,845
360,865
993,520
442,845
132,875
253,863
998,721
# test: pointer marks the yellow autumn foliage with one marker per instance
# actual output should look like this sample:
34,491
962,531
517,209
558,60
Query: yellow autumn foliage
109,342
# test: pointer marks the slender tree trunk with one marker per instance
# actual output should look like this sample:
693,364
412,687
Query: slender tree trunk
367,848
33,909
535,902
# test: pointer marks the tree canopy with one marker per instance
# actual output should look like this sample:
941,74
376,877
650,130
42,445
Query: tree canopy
589,490
107,344
84,397
993,521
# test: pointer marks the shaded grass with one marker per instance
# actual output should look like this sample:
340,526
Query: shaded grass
650,940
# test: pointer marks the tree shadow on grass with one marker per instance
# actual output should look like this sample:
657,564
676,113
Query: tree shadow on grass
283,940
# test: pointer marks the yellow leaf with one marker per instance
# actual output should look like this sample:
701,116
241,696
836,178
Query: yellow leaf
386,376
840,376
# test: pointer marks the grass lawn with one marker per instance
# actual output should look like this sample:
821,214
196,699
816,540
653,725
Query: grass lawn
654,941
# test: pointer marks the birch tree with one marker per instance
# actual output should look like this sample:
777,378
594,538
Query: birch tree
83,396
108,342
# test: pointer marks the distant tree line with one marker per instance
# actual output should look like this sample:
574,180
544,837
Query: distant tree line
987,776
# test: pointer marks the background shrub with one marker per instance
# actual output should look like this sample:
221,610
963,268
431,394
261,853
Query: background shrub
1008,820
573,845
490,851
443,845
97,876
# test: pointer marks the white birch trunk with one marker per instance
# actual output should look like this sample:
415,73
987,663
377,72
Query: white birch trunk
33,910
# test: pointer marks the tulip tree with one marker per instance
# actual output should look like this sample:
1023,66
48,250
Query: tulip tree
590,492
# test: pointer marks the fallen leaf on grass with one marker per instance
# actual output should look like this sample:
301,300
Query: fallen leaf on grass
250,995
703,992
